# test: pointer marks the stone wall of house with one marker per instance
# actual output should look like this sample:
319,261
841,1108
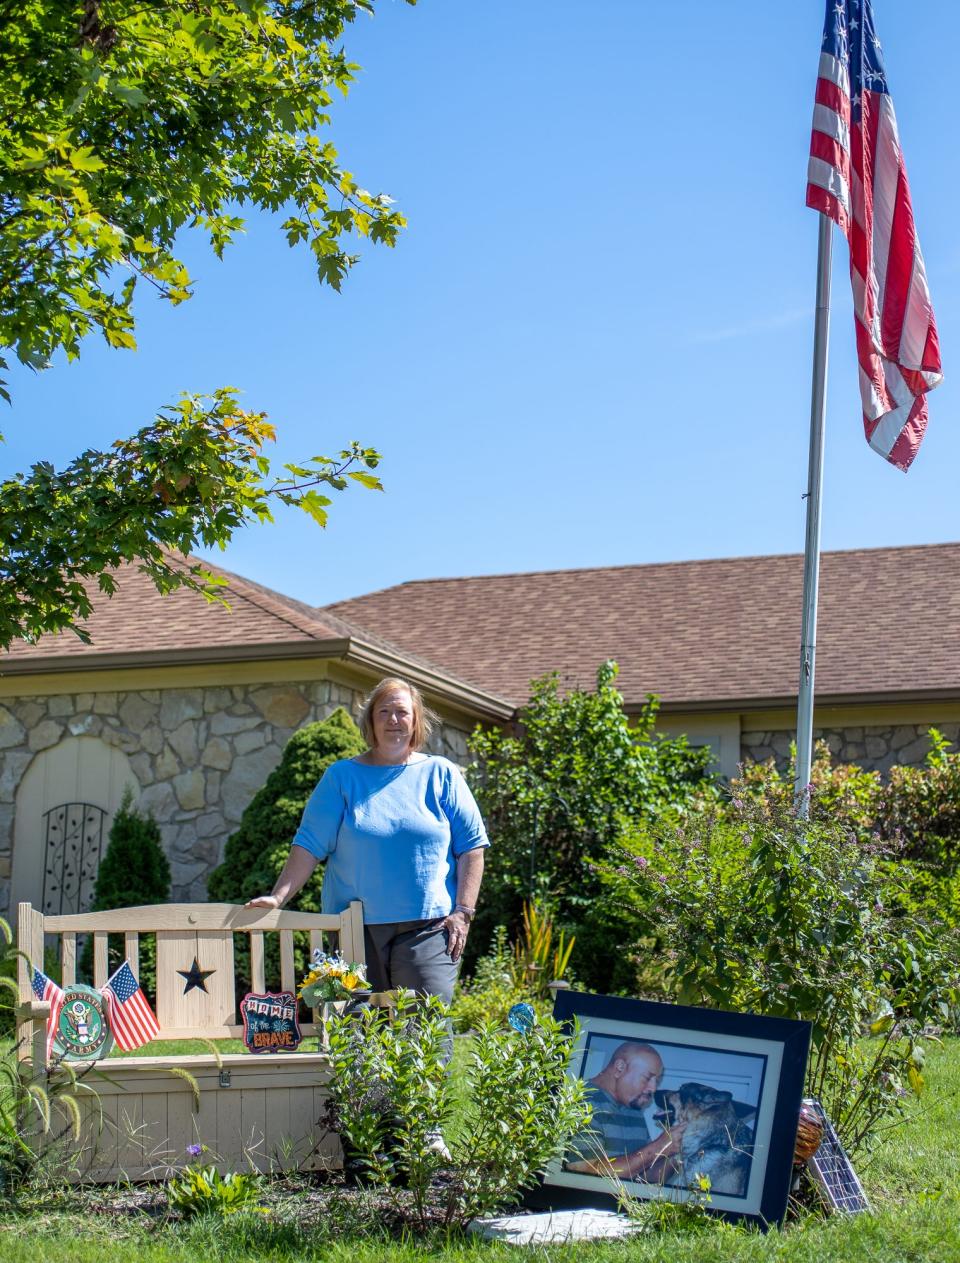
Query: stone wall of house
874,748
199,754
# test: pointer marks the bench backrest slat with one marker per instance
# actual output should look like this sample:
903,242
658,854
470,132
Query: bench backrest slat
131,950
286,961
30,945
100,974
195,916
256,961
68,959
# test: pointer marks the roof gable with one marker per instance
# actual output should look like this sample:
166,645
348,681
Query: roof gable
139,619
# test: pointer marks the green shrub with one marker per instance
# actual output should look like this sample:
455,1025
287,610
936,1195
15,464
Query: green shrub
29,1105
842,792
521,1110
558,795
134,871
390,1093
12,1089
922,806
256,853
9,991
914,818
917,891
753,909
508,975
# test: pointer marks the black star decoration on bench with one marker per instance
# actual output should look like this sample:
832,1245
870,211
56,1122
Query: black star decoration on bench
196,977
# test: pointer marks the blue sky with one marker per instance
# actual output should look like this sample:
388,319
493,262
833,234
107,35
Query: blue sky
592,346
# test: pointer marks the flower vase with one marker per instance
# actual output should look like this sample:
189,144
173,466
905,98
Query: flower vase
326,1011
359,1001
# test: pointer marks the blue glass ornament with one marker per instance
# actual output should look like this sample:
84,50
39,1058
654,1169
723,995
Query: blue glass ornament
522,1018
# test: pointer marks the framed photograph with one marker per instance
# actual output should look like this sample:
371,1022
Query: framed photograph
687,1103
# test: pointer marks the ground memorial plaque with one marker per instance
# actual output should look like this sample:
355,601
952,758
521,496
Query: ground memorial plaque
557,1228
270,1022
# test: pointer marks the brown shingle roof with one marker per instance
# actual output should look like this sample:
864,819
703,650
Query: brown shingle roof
139,619
709,632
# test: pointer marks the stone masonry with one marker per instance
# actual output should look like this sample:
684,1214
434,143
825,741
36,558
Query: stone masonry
874,749
199,754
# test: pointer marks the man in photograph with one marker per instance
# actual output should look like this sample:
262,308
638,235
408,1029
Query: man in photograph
618,1141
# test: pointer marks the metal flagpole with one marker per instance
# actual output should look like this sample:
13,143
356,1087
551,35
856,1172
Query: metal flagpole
811,556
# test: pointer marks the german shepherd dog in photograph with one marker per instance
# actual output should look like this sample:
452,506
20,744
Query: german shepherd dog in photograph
716,1143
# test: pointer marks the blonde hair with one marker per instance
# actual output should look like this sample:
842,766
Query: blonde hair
423,717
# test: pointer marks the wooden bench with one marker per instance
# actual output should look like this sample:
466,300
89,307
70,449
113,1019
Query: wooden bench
254,1111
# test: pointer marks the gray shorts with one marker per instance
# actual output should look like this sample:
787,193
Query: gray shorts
410,954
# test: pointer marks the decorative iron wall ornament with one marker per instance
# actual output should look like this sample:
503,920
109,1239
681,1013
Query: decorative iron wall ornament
73,845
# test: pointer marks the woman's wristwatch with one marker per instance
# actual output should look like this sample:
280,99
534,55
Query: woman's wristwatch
469,913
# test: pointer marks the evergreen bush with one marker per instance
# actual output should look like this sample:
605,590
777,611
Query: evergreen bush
256,853
133,871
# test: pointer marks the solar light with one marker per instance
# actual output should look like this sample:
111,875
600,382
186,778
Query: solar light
832,1172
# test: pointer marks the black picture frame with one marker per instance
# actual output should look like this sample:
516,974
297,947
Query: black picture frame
736,1074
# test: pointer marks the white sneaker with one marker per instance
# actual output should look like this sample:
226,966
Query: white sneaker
437,1144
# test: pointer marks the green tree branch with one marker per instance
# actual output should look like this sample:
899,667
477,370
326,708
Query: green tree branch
123,124
188,480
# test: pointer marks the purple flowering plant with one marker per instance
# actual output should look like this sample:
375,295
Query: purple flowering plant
200,1188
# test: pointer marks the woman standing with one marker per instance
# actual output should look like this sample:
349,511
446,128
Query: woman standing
400,831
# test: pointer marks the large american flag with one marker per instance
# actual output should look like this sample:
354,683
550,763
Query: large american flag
856,176
131,1019
45,988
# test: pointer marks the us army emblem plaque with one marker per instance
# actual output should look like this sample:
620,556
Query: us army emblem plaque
83,1033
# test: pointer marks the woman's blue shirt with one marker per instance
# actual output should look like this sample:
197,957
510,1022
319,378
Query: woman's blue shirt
391,835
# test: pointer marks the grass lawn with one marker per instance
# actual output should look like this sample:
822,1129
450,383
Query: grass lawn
913,1181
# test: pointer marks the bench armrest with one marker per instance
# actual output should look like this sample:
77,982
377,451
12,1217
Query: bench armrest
32,1017
33,1011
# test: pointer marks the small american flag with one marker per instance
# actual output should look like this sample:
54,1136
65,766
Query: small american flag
45,988
131,1018
857,177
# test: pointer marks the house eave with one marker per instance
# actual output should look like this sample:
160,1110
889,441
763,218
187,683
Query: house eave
788,700
352,650
432,680
192,655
